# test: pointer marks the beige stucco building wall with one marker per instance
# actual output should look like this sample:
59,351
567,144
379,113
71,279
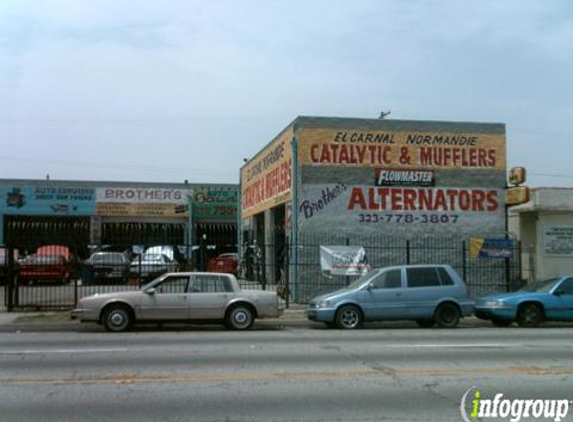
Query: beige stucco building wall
545,227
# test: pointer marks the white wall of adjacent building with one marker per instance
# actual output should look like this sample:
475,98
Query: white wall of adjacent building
544,226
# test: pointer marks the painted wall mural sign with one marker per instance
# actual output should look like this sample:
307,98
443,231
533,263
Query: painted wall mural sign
401,177
47,200
311,207
403,182
397,208
266,180
422,199
402,149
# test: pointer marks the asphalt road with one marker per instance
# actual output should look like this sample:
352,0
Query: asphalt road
299,373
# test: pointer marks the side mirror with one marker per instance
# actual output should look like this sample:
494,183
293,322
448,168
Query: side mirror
369,287
150,291
559,293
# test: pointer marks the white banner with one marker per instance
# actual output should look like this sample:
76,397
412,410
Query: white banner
343,260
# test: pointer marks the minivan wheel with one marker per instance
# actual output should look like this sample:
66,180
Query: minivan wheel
447,315
349,318
425,323
529,315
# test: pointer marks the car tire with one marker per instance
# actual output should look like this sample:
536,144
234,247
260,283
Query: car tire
447,315
349,318
425,323
501,322
240,317
529,315
117,318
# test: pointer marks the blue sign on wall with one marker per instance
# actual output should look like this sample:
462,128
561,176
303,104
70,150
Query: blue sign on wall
47,200
491,248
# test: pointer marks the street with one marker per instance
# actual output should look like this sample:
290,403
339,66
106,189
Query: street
276,373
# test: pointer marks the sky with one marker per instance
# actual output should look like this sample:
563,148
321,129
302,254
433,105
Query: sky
167,91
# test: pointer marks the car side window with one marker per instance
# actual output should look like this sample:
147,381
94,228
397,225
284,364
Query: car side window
206,283
388,280
423,277
445,277
175,284
567,287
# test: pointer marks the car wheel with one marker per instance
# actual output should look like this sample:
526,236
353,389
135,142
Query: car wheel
425,323
529,315
501,322
117,318
240,317
447,315
349,317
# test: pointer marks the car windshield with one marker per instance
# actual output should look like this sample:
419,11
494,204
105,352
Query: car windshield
153,282
362,279
540,286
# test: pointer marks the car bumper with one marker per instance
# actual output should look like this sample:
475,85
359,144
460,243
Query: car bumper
85,315
467,309
321,315
495,313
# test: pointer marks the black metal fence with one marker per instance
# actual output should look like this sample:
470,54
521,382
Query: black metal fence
54,277
483,276
296,268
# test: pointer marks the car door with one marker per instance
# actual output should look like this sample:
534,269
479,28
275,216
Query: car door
424,291
168,300
383,298
563,303
209,295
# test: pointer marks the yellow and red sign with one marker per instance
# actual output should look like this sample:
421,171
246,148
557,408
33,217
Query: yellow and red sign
407,149
266,180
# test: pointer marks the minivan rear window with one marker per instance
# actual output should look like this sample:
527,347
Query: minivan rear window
445,277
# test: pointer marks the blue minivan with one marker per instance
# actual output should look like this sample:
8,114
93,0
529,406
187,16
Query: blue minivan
427,294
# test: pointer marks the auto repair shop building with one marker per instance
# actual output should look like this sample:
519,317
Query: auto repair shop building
343,180
120,214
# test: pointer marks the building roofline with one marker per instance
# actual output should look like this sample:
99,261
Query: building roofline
351,123
399,124
103,183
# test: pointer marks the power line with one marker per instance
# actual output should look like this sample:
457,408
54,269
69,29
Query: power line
114,166
565,176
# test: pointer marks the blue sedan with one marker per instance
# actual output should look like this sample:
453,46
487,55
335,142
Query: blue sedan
546,300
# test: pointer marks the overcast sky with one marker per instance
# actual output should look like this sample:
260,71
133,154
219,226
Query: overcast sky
169,90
